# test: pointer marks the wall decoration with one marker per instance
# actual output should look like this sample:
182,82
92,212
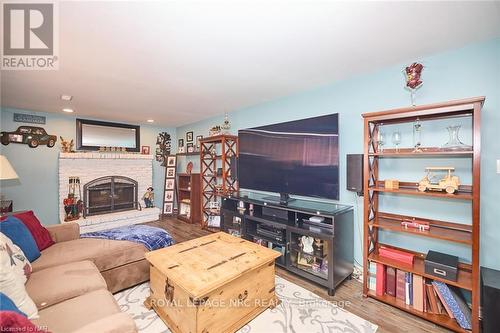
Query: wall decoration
189,137
454,142
149,197
145,150
168,208
30,135
448,183
190,147
170,185
189,167
170,172
171,161
29,118
67,146
413,74
180,143
163,145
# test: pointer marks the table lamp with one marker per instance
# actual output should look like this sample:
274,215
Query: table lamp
6,172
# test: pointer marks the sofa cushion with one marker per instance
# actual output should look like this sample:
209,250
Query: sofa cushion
18,261
70,315
13,286
106,254
13,228
59,283
39,232
117,323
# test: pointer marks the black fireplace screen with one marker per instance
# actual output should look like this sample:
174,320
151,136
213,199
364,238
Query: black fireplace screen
110,194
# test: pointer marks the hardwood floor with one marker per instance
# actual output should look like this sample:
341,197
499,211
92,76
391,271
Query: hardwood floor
388,318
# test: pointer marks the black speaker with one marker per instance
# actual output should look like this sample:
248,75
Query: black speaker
490,299
234,167
355,173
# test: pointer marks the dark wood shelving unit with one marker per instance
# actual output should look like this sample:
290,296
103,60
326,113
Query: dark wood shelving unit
375,220
188,188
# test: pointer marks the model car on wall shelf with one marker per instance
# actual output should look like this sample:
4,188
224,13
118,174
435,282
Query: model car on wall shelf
448,183
30,135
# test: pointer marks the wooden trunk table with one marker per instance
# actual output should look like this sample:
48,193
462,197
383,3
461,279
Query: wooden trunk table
212,284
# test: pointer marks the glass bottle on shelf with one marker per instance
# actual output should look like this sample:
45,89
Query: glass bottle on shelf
454,142
396,140
417,136
380,139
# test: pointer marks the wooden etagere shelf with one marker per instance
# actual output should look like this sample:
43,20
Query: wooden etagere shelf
375,220
216,154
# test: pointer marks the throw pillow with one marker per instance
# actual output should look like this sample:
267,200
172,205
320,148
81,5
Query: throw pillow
14,322
13,228
39,232
6,304
13,287
18,261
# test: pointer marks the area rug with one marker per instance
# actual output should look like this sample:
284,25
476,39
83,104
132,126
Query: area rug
300,311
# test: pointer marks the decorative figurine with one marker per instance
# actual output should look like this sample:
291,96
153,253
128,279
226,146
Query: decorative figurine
149,197
226,125
413,74
306,244
73,206
66,146
31,135
449,183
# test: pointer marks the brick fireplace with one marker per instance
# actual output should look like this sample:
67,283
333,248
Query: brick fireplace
112,187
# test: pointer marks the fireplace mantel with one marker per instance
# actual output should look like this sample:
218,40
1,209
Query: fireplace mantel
105,155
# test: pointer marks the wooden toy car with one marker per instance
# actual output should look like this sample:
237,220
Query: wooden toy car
449,183
30,135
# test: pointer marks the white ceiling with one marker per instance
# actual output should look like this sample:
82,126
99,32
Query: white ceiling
178,62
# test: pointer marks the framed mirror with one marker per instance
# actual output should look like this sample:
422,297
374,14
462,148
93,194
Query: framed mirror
92,134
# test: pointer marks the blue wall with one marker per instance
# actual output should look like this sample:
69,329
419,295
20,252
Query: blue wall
467,72
38,185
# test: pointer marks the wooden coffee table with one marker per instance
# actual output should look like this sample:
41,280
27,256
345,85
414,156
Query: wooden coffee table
216,283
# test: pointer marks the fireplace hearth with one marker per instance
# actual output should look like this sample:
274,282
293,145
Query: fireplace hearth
110,194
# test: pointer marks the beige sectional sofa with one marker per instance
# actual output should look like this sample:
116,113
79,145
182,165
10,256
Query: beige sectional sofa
72,281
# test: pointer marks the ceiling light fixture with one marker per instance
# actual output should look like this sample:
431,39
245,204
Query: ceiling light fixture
150,120
66,97
68,110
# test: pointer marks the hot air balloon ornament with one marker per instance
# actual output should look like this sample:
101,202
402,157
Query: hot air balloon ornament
413,75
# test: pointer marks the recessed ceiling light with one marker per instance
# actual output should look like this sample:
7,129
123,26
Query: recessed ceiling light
150,120
68,110
66,97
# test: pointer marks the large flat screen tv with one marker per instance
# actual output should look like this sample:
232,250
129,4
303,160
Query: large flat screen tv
297,157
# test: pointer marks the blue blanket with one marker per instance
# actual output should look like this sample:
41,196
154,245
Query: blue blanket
152,238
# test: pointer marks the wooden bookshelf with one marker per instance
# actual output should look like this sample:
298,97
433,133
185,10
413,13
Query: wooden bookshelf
440,231
188,188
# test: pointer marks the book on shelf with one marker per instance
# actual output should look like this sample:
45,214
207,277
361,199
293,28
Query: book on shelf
456,304
445,305
418,292
401,285
390,281
398,255
381,280
408,288
372,276
431,297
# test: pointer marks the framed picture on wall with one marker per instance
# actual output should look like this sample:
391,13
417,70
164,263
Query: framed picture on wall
190,147
171,160
168,208
189,137
181,143
169,196
145,150
169,184
170,172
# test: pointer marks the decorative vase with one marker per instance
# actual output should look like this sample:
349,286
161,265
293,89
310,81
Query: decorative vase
453,141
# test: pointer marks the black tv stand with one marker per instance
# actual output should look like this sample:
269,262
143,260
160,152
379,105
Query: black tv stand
315,238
